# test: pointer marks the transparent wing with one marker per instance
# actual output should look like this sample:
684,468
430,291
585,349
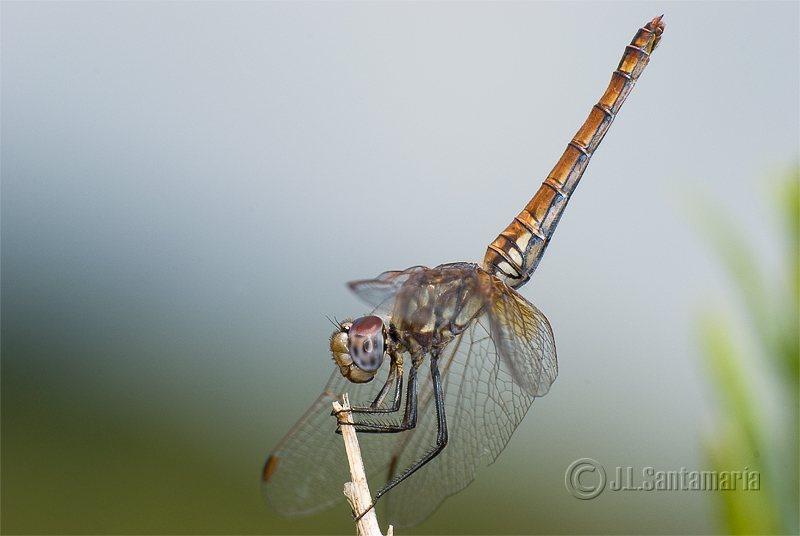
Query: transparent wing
303,471
378,292
307,470
485,400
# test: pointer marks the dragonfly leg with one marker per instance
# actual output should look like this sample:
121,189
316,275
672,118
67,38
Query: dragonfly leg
409,417
441,434
372,409
395,378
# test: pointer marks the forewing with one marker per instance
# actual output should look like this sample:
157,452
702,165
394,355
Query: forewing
378,292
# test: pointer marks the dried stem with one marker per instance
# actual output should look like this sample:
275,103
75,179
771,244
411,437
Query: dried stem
357,491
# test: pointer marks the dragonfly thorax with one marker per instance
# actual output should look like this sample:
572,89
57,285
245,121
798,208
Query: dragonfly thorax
359,347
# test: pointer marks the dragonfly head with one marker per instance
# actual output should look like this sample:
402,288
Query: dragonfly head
358,348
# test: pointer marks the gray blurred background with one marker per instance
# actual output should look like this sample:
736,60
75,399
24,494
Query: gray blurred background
186,188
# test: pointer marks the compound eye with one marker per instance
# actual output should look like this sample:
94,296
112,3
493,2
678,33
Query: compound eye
367,345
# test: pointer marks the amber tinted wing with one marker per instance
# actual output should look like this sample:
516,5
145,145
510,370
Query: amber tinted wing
524,340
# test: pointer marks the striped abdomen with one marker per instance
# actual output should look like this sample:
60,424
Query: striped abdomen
514,255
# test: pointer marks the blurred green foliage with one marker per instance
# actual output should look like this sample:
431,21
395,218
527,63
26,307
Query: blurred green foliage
755,370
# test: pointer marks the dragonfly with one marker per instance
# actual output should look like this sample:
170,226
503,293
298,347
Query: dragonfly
449,360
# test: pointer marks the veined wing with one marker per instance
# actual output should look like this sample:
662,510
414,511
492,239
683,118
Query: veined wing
307,470
524,340
378,292
301,474
487,391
